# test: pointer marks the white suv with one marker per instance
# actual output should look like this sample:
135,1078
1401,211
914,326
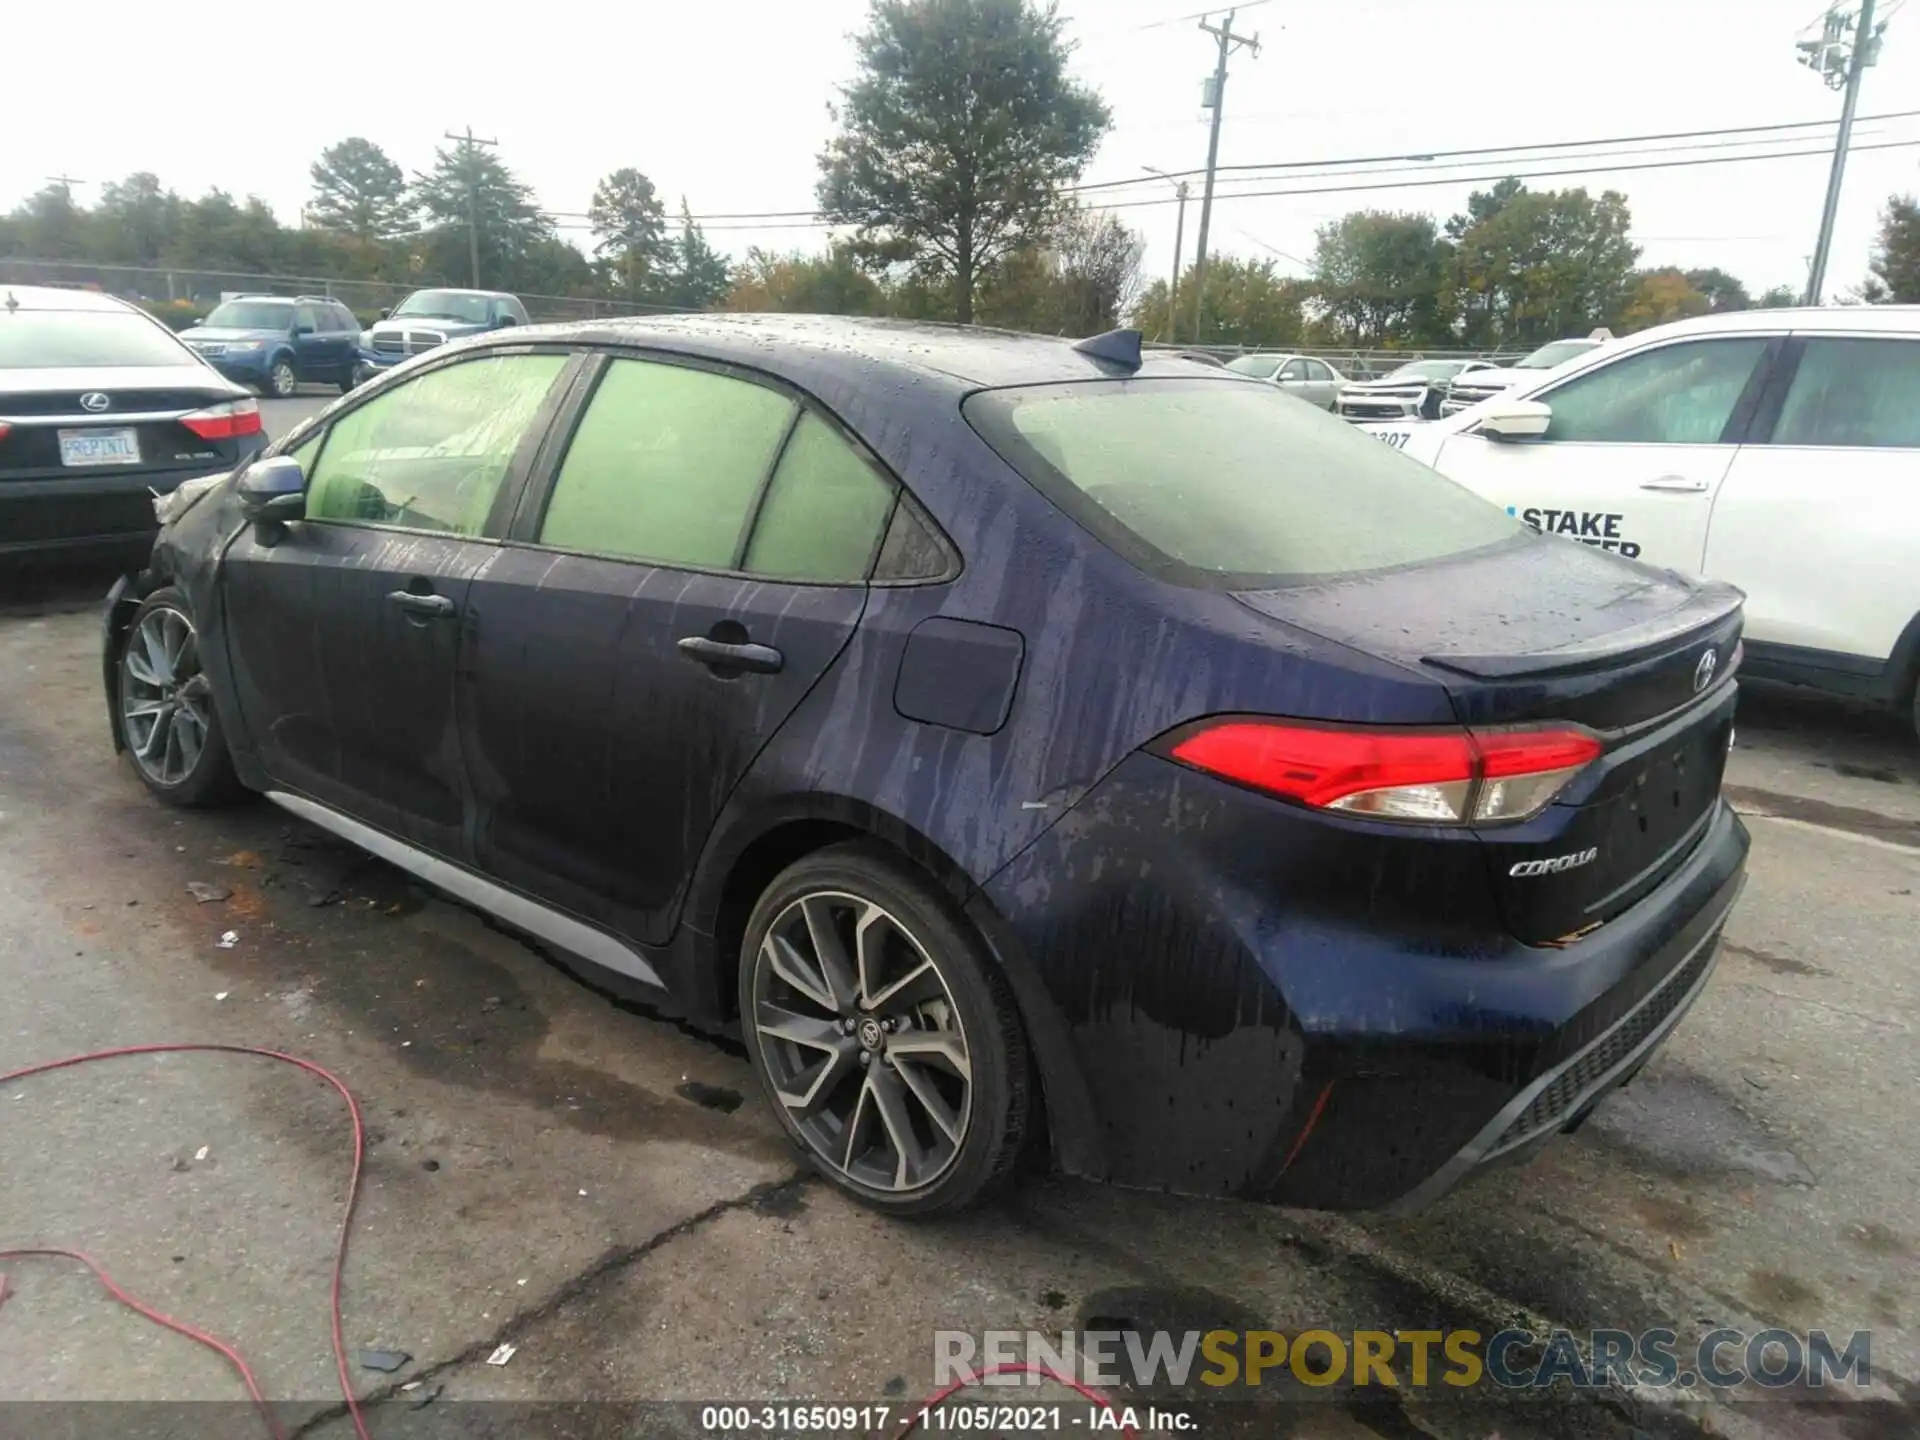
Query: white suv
1778,450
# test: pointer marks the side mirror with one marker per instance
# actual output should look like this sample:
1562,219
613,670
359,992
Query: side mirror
503,321
385,311
299,330
1515,419
273,492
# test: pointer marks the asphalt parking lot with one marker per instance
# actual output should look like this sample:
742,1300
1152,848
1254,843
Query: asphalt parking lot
550,1169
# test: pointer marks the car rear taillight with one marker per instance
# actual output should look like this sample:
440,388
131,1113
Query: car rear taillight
1438,777
225,422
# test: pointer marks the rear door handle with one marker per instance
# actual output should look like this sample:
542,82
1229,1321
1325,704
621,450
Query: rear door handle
722,655
1675,485
437,607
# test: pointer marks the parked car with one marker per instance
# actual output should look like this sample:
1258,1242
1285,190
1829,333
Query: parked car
1775,450
101,408
1413,391
275,343
1471,389
1005,736
429,318
1311,380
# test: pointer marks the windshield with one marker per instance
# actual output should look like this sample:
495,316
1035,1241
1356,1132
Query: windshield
445,305
1258,365
1215,482
251,315
1428,370
1548,356
67,339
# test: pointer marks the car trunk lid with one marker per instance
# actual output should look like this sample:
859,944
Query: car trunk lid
1545,632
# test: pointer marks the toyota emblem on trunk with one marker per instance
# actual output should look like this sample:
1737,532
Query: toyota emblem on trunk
1703,672
93,400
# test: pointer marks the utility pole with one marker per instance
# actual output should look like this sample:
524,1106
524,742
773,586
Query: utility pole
1215,96
473,199
1179,241
1840,63
66,184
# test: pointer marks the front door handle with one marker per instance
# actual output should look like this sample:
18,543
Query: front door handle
437,607
721,655
1675,485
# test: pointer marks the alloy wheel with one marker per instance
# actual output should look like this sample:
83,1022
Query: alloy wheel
862,1040
284,380
166,708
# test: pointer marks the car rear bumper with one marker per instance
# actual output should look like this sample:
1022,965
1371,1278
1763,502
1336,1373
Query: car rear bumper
95,514
1267,1004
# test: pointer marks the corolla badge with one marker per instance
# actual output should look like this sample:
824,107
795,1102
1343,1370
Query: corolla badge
1527,868
1703,672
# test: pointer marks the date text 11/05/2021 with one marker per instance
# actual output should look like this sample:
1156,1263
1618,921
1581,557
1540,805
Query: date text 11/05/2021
859,1422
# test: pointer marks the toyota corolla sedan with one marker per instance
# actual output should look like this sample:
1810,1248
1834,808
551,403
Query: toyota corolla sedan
1022,745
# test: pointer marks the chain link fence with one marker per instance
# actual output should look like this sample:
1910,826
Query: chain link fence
187,294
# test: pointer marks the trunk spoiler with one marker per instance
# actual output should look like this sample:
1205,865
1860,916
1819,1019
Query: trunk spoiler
1708,607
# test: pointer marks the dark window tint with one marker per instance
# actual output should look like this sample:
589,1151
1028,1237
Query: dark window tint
1215,479
1676,395
63,339
338,317
431,454
824,511
666,465
308,316
1854,392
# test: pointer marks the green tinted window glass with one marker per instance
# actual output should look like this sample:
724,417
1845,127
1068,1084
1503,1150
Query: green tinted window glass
430,454
1676,395
666,465
824,511
1863,393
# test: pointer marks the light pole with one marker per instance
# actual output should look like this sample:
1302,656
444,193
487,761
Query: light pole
1840,63
1179,240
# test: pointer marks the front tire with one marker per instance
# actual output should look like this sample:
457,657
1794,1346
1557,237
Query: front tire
885,1040
281,380
166,715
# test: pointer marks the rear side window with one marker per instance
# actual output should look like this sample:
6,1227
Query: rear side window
1854,392
824,511
666,465
67,339
1223,482
1676,395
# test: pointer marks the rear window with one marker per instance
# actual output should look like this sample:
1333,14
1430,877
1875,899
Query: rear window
1219,482
71,339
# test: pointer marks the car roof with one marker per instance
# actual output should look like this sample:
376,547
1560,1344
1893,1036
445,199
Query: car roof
462,290
1865,318
975,355
57,297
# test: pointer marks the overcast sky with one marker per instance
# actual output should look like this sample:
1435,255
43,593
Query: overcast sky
728,105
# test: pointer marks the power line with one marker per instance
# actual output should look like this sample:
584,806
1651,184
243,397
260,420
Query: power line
1426,156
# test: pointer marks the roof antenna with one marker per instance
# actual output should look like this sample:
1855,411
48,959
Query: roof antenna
1116,347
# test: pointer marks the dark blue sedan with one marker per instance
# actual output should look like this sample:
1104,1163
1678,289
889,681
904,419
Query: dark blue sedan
1015,741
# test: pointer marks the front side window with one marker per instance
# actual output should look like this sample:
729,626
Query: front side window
431,454
666,465
1854,392
1213,482
306,315
1676,395
1294,370
824,511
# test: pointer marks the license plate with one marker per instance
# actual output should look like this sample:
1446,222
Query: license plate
99,447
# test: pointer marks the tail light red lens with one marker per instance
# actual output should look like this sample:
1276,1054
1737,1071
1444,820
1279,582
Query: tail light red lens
225,422
1436,777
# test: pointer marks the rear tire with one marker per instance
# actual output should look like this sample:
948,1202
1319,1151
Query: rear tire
885,1040
164,707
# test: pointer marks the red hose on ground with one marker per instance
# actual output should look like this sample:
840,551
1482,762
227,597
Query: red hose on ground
180,1327
233,1356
